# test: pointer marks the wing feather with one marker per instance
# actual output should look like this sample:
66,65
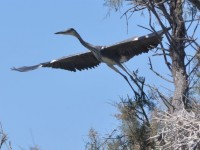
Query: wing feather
133,46
72,63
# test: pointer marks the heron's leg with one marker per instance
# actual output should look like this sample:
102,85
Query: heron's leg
116,70
134,80
122,67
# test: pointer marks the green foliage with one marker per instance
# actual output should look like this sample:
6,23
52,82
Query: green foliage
94,141
133,131
134,125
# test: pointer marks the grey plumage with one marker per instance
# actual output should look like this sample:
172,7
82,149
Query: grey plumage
111,55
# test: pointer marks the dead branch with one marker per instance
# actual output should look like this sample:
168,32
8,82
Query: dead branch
178,131
151,68
196,3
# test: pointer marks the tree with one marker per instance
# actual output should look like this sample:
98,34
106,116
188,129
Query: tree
181,38
196,3
164,129
4,139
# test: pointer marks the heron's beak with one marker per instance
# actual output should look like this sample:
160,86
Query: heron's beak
61,32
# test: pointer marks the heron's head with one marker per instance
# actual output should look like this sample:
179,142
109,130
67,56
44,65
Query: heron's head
70,31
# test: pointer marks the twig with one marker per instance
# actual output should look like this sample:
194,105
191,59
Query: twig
151,68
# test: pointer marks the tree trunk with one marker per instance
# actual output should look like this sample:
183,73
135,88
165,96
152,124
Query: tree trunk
177,55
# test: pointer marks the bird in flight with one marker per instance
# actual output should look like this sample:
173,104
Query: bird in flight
111,55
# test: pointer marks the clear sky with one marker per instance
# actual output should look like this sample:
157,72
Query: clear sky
57,106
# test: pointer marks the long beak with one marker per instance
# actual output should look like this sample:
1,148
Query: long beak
61,32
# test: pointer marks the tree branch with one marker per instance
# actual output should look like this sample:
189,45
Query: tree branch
151,68
196,3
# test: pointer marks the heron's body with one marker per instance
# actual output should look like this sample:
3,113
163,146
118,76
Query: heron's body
111,55
107,60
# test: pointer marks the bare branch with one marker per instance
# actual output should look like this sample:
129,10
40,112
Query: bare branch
196,3
151,68
178,131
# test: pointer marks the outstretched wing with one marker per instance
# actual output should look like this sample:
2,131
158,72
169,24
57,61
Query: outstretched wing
72,63
127,49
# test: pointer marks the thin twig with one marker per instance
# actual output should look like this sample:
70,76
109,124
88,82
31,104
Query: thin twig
151,68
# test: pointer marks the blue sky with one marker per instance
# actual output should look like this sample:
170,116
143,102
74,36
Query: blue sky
57,106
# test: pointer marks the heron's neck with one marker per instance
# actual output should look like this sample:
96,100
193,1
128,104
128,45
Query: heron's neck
84,43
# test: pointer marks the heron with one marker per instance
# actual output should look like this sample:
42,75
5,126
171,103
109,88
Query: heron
114,55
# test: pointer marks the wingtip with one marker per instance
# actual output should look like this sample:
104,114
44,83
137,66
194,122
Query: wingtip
16,69
26,68
57,33
13,69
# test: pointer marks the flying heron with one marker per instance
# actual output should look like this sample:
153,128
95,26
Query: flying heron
111,55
